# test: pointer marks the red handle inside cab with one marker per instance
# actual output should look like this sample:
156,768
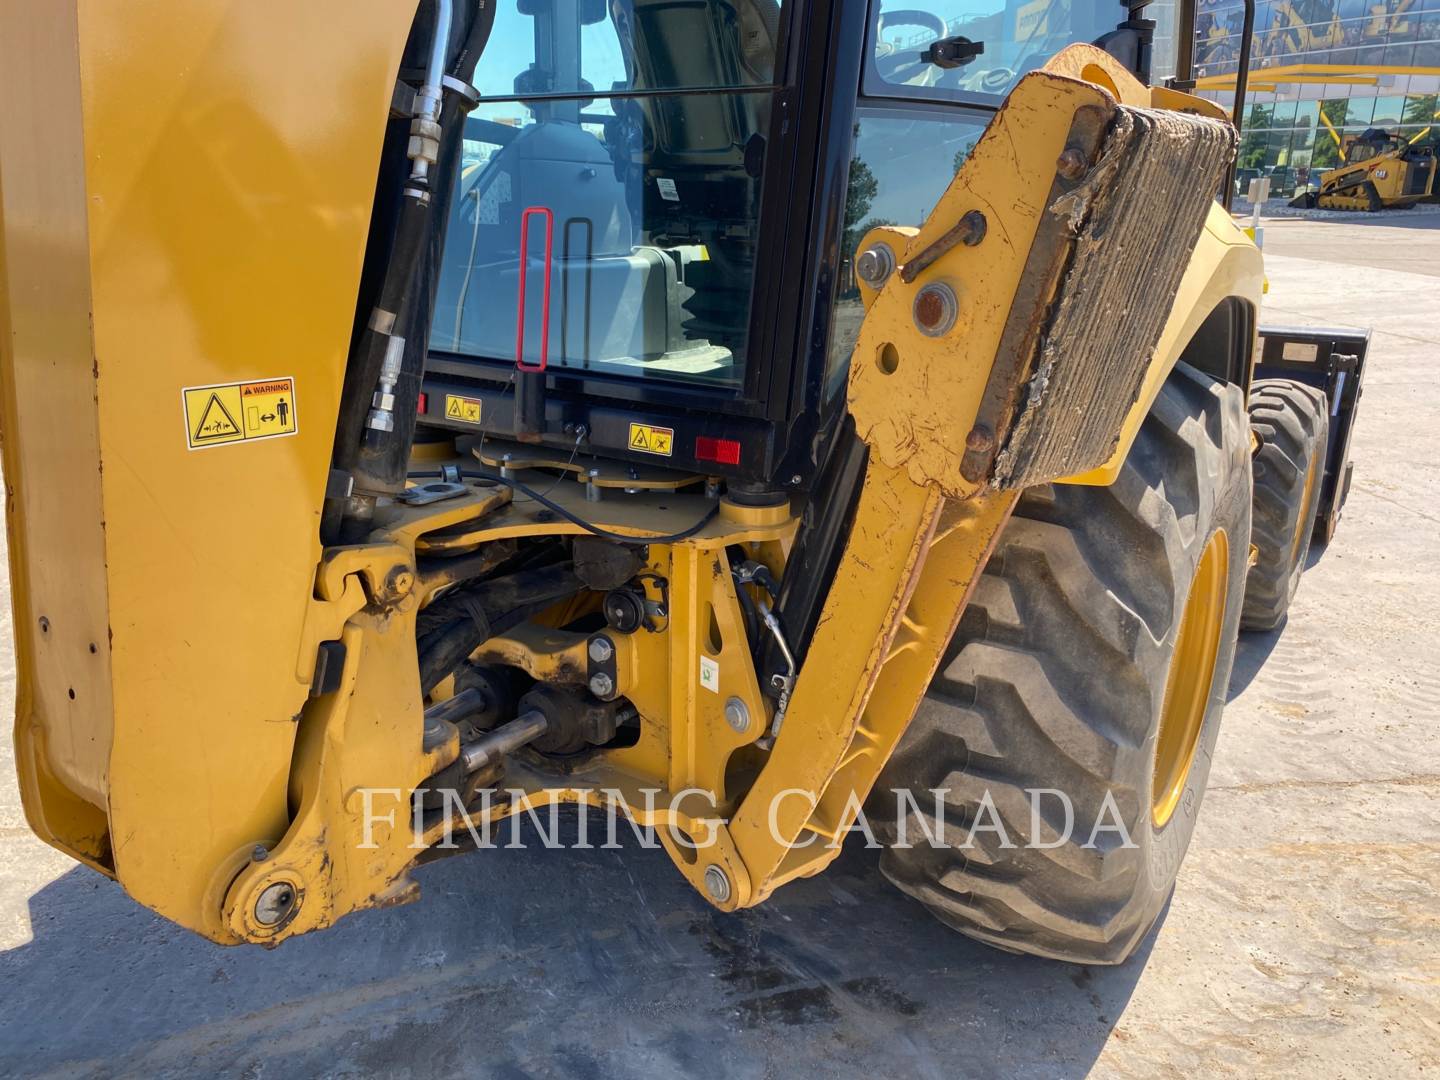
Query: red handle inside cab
520,362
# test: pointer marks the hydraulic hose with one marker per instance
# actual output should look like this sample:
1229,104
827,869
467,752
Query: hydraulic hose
467,618
427,102
377,417
576,519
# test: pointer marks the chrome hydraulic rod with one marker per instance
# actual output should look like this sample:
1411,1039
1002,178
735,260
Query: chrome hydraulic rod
526,727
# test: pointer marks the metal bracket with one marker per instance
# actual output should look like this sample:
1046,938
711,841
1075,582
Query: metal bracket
438,491
1046,263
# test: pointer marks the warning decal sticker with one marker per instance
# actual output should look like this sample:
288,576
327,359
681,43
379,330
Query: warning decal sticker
216,421
239,412
649,439
710,674
464,409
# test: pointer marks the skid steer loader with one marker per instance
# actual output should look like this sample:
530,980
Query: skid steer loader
759,415
1379,170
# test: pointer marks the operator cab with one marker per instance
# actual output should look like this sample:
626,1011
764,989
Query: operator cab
1371,144
643,186
658,201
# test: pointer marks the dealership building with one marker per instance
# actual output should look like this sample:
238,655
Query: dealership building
1321,70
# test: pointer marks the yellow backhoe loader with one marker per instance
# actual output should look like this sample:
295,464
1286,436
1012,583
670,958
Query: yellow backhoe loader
764,417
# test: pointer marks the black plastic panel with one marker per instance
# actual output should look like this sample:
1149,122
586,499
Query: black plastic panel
1333,360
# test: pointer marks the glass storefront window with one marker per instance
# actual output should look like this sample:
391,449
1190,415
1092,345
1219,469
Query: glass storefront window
1307,116
1404,22
1402,55
1335,110
1394,33
1421,110
1325,154
1387,112
1427,51
1369,55
1301,155
1358,111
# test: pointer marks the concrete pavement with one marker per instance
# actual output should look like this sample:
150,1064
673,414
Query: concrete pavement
1304,938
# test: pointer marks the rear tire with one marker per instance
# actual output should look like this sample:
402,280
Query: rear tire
1292,421
1058,678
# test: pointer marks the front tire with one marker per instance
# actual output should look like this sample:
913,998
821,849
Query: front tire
1292,423
1093,660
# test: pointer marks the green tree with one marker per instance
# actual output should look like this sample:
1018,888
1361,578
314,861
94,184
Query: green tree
1420,109
1252,149
860,194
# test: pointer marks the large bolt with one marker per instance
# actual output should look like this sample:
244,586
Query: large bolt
275,904
980,439
737,715
936,308
1071,165
717,884
602,685
875,265
601,649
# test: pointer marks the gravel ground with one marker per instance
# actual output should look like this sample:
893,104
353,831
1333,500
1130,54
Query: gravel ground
1280,208
1304,938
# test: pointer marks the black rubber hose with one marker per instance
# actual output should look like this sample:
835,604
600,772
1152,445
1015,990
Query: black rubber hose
406,290
496,595
479,613
575,519
751,614
384,455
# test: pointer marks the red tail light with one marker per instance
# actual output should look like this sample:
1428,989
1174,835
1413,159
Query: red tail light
721,451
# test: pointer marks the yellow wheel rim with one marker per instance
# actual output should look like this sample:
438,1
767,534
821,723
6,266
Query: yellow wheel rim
1187,686
1303,524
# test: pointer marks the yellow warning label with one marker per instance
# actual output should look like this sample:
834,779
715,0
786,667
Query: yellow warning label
649,439
239,412
212,415
464,409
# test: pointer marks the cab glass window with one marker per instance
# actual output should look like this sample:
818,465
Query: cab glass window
902,161
633,131
1017,38
616,46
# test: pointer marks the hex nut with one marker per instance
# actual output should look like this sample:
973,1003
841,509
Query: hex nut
717,884
1071,165
601,649
276,903
737,715
936,309
602,685
875,265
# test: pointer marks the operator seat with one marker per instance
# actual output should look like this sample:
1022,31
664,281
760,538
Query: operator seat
609,294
